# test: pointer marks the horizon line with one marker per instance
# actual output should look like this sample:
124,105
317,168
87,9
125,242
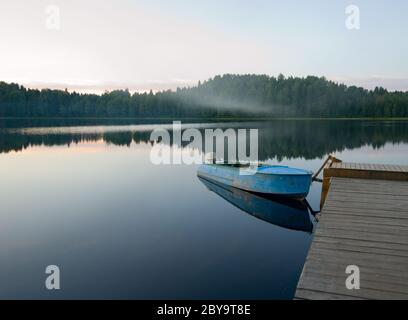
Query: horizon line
391,84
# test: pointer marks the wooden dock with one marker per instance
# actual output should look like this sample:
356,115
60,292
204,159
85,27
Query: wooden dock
364,223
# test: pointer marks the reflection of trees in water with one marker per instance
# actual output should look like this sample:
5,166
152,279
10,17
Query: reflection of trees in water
311,139
290,139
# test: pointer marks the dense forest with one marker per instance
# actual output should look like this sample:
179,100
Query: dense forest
222,96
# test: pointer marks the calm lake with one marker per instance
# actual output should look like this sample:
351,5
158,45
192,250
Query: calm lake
84,195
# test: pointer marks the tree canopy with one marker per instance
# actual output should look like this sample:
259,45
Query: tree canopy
222,96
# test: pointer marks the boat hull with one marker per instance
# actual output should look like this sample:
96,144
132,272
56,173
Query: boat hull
280,185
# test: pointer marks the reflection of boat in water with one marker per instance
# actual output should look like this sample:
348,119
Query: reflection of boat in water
265,179
286,213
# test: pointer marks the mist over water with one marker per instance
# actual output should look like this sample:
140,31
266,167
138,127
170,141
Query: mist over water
223,104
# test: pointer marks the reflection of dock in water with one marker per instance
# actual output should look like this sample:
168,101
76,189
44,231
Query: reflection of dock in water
286,213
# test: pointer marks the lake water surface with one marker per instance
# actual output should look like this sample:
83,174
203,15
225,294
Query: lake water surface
85,196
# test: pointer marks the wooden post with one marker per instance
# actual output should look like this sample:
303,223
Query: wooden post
325,190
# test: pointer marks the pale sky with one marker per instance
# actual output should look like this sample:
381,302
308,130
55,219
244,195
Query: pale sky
158,44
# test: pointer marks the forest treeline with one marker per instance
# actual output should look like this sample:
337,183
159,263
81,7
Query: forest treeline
222,96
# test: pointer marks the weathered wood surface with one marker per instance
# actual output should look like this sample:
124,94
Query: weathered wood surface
368,171
363,223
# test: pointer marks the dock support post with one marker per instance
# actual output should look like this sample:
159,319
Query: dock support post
325,190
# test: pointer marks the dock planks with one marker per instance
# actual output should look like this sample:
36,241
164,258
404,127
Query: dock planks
364,222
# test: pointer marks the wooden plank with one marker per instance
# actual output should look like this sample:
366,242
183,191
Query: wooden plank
355,203
336,165
305,294
364,227
362,211
384,167
321,265
362,249
350,180
370,184
339,288
381,214
374,186
356,219
397,207
366,174
381,167
385,193
392,214
371,166
367,281
367,272
358,194
360,243
368,290
363,235
332,221
396,263
370,188
395,228
366,196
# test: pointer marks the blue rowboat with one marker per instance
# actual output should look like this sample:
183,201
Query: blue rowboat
279,181
285,213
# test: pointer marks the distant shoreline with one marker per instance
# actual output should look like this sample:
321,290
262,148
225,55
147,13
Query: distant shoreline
226,97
